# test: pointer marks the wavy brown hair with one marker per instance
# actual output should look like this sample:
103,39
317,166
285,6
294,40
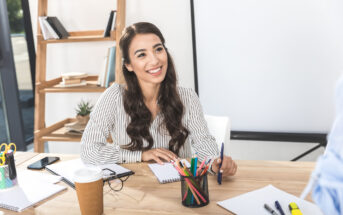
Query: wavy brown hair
169,100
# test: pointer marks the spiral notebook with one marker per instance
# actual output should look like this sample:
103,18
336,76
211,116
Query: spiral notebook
166,173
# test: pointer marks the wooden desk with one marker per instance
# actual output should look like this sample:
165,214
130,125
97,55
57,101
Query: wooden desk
142,194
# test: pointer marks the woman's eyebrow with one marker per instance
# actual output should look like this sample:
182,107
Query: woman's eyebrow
158,44
139,50
142,50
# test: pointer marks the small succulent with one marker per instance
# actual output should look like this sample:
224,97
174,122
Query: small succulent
84,108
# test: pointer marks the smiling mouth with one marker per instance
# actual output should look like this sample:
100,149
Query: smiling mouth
155,71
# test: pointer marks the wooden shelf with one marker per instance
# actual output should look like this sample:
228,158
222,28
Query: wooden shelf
52,86
56,132
81,36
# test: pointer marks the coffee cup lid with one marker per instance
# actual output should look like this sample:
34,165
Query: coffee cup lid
87,174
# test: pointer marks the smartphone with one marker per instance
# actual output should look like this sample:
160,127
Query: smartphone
43,162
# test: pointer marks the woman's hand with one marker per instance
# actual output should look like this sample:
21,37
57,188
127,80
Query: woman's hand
229,167
158,154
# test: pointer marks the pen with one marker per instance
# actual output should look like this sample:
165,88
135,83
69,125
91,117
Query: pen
268,208
279,208
219,178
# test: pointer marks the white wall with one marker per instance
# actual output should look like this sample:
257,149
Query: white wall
171,16
271,64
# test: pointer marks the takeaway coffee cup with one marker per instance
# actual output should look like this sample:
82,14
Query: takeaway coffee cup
89,189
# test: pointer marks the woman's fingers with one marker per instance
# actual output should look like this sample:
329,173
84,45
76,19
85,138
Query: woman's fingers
229,167
171,155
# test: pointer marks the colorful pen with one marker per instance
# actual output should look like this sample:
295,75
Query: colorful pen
279,208
219,178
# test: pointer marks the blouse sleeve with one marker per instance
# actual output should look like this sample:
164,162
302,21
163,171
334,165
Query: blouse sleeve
203,143
94,146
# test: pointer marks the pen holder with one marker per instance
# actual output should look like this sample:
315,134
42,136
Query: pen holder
194,191
7,178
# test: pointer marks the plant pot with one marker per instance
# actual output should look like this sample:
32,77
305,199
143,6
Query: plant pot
82,120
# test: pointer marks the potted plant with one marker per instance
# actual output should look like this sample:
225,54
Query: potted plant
82,112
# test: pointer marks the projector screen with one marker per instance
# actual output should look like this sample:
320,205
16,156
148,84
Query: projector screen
271,66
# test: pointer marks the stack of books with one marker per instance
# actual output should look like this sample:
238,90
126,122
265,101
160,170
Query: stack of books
73,79
52,28
107,74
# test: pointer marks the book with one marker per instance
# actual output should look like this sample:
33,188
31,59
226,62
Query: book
102,73
166,173
111,68
71,81
266,195
107,31
61,84
73,75
58,27
32,189
47,35
66,169
47,31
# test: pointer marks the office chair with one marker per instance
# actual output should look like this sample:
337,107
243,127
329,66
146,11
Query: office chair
219,127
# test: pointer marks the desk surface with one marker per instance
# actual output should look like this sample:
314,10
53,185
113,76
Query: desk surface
142,194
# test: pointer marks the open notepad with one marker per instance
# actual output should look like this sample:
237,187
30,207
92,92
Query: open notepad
66,169
253,202
166,173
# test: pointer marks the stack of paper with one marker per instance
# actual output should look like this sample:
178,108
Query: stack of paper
33,187
253,202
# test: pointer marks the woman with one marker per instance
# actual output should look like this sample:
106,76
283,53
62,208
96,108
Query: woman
150,118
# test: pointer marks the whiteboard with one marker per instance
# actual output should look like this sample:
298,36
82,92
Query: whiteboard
270,65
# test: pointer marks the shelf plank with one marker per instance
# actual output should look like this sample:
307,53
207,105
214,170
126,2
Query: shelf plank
81,36
51,86
57,132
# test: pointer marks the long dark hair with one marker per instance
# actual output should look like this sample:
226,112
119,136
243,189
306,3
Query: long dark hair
169,100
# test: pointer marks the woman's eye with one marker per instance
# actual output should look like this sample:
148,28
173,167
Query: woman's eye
159,49
141,55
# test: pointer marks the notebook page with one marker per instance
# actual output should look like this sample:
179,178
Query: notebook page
267,195
166,173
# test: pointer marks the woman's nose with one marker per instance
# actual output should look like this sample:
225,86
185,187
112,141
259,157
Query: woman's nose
153,59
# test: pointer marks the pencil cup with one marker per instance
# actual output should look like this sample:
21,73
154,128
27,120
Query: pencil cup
7,178
89,189
194,191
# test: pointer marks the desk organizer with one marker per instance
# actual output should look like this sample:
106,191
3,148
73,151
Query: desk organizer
7,177
194,191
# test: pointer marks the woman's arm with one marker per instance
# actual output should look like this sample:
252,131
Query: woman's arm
203,143
94,146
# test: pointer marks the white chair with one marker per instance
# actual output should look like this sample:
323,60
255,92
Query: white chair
219,127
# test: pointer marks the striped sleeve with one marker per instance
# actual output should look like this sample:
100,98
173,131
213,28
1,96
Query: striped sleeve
203,143
94,146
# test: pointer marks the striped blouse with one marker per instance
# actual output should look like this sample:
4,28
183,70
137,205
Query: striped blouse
109,118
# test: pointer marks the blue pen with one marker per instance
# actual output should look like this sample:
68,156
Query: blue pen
279,208
219,178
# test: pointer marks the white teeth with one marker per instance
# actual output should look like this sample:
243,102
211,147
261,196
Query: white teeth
155,70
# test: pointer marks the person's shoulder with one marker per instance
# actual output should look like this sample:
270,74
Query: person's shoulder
114,92
186,93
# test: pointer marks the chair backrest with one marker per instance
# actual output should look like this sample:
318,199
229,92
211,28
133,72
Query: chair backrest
219,127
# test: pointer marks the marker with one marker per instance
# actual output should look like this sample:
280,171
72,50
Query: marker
279,208
294,209
219,178
269,209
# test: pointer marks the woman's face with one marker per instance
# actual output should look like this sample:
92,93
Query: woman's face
148,59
